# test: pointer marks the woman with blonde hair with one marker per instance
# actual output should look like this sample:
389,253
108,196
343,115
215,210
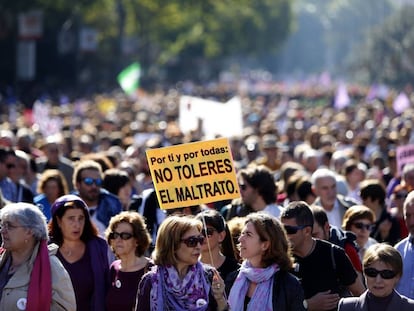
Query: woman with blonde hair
179,281
52,185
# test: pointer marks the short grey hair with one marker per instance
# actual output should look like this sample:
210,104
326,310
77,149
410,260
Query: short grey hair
322,173
28,216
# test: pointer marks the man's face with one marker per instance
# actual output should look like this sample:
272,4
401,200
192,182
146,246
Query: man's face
296,239
325,188
409,180
89,191
409,216
319,232
247,192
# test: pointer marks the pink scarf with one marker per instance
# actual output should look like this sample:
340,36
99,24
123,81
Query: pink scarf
39,295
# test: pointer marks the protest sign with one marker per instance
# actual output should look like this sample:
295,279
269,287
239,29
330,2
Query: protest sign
193,174
405,154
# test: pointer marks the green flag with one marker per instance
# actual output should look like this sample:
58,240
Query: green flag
129,78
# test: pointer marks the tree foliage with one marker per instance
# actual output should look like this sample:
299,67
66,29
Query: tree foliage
388,53
177,34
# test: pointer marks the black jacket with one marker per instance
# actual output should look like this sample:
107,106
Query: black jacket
287,291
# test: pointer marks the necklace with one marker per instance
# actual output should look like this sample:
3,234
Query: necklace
312,248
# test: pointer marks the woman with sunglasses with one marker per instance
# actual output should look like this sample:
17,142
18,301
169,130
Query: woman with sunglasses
129,239
263,281
360,219
82,252
382,269
179,281
218,250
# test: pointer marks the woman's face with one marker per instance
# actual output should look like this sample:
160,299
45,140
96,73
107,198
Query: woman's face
213,239
189,255
124,244
379,286
124,194
51,190
251,247
362,230
72,224
14,235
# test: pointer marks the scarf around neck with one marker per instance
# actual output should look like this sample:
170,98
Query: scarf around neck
262,296
169,292
39,294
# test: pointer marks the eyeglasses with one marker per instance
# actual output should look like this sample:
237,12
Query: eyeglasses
208,232
294,229
123,235
385,274
10,165
193,241
361,226
8,226
90,181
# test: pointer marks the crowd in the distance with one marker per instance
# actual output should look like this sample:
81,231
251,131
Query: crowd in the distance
324,221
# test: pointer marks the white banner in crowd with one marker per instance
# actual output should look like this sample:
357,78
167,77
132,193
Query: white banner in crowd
30,25
216,118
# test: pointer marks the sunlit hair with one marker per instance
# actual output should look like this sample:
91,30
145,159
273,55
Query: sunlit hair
357,212
384,253
214,219
55,175
28,216
55,232
85,165
139,230
169,236
271,230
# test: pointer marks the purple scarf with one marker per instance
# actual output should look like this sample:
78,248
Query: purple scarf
39,293
169,292
262,296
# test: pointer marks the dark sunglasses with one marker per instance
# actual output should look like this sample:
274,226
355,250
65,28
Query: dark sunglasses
294,229
192,241
122,235
385,274
208,232
360,225
90,181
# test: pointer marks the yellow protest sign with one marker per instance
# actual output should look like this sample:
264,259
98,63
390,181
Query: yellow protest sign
193,174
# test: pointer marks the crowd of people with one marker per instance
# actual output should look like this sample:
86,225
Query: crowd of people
324,221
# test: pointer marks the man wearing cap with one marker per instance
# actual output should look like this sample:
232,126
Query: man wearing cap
102,204
54,160
271,157
322,267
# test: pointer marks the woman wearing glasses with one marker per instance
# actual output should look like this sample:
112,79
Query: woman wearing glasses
382,269
129,239
218,251
359,219
179,281
31,277
82,252
263,281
